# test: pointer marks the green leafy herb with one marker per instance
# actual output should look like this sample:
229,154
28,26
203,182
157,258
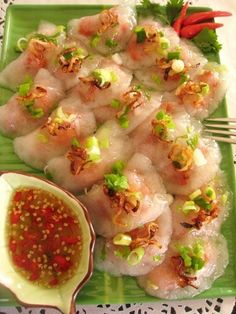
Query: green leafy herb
156,10
111,43
207,41
173,8
115,103
140,33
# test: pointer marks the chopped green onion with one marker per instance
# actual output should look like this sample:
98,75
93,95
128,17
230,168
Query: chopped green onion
189,206
42,138
156,258
135,256
195,194
122,252
118,167
184,78
111,43
123,118
165,43
122,239
173,55
93,149
104,142
75,143
95,40
225,197
25,87
115,103
143,89
21,44
140,33
156,79
210,192
163,116
36,112
202,203
205,89
185,252
104,76
192,140
116,182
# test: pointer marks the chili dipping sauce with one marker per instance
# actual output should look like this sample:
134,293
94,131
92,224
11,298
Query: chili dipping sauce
44,237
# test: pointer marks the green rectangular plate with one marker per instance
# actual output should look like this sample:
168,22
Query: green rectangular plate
103,288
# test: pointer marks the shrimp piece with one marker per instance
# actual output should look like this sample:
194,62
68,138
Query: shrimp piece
54,137
206,214
149,241
22,114
145,51
143,201
202,95
38,54
131,109
107,32
103,84
191,266
75,172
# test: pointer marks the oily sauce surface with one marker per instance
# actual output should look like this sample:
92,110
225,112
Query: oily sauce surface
44,237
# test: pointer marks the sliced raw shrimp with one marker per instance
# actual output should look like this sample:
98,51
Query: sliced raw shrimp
30,107
135,252
41,49
54,137
141,200
131,109
190,267
202,95
106,32
103,84
86,163
203,211
150,41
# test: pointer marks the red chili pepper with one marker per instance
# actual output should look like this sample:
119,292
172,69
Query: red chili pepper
190,31
203,16
15,217
17,197
179,21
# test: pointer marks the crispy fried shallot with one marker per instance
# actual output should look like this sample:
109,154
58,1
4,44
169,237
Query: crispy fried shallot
108,20
123,201
184,279
70,65
181,157
78,157
143,236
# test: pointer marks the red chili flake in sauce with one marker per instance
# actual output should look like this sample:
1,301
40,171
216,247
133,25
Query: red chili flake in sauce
44,237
